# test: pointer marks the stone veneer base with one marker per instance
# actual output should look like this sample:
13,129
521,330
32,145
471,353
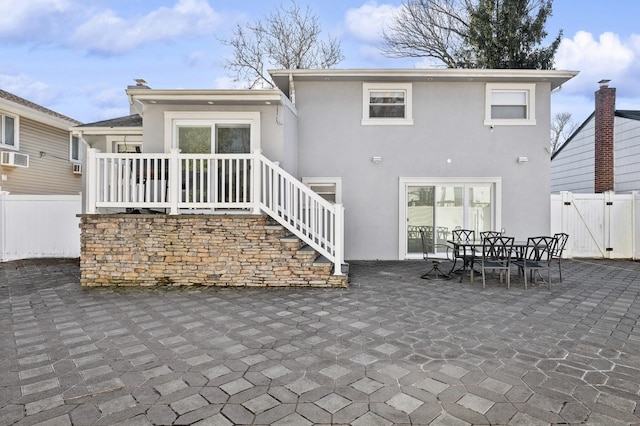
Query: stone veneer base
211,250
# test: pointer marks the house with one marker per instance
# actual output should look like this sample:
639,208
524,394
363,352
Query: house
38,155
351,162
603,154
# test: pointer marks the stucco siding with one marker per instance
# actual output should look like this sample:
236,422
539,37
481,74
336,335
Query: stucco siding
448,124
50,171
573,168
627,155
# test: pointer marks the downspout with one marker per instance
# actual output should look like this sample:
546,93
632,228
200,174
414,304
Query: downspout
292,89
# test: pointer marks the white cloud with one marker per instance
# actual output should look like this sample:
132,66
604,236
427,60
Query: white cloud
108,33
367,21
608,57
27,88
22,20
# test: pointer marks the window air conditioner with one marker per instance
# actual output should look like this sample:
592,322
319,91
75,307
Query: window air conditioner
77,169
15,159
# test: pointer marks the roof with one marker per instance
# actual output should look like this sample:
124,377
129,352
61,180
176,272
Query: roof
628,113
28,108
622,113
555,77
206,96
133,120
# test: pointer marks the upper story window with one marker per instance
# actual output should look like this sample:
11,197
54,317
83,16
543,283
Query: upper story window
386,104
75,150
510,104
8,131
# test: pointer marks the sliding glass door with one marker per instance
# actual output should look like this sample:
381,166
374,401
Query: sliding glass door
437,208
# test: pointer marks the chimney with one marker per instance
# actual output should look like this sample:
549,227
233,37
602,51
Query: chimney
604,123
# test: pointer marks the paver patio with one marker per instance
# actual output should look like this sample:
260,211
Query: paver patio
390,349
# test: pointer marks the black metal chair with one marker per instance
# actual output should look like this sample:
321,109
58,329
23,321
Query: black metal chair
485,234
429,253
537,257
466,254
496,255
556,253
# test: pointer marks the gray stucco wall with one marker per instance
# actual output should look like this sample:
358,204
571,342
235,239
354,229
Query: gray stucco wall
272,129
448,124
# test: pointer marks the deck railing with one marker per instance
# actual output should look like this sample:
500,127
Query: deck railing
184,183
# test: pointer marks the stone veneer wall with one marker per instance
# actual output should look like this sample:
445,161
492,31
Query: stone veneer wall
213,250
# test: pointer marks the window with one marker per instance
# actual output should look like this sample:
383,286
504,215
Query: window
510,104
329,188
75,150
128,147
386,104
8,131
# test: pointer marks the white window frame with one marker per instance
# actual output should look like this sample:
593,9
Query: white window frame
16,131
323,181
175,119
79,150
530,92
114,141
367,88
443,181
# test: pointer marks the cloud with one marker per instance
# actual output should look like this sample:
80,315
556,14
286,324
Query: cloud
27,88
607,57
366,22
107,33
28,20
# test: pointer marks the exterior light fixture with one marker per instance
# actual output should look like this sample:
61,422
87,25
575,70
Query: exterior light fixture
376,160
523,159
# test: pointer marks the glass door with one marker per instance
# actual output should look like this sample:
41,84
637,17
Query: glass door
440,207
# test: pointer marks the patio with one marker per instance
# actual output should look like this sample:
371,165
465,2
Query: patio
389,349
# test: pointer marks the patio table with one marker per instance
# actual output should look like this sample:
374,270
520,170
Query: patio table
472,246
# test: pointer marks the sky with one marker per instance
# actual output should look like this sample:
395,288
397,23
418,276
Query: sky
77,57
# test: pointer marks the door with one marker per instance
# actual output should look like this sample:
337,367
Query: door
438,207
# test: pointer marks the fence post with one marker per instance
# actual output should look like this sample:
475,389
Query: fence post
174,180
3,222
566,197
92,180
256,183
338,240
634,225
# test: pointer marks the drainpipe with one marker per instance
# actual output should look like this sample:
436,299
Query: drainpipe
292,89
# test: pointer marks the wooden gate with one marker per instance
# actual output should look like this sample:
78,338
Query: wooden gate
599,225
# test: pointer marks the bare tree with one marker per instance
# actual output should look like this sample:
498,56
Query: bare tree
473,33
562,127
432,29
289,38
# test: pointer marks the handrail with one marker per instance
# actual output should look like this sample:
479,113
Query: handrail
246,182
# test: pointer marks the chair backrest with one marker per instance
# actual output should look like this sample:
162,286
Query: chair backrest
486,234
427,243
561,241
463,234
539,249
497,247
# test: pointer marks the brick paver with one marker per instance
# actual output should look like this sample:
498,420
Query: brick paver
389,349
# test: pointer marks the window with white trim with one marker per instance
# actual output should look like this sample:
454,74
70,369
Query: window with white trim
510,104
329,188
128,147
386,104
9,131
75,149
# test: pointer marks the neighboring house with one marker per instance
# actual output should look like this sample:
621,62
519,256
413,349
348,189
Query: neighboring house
399,149
603,154
38,155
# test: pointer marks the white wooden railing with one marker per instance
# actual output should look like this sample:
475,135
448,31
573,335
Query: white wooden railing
182,183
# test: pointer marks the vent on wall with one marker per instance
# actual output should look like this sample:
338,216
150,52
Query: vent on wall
15,159
77,169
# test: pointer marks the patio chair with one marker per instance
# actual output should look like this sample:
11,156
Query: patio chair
485,234
558,249
430,251
496,255
536,257
466,254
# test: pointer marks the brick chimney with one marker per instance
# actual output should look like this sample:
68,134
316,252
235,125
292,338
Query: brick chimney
604,116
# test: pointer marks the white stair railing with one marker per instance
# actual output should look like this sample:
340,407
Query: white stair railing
248,182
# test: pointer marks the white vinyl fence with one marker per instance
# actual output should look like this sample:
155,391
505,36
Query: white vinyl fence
39,226
603,225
